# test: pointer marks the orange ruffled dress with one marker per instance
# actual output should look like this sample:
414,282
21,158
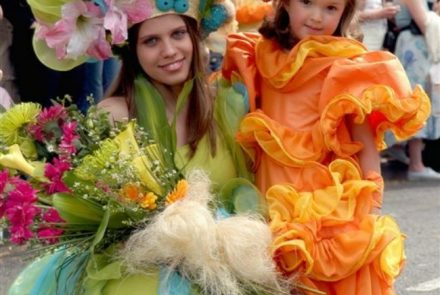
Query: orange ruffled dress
319,202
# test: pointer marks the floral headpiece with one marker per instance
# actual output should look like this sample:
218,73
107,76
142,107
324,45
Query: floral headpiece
69,32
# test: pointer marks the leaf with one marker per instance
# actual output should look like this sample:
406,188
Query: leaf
76,210
101,229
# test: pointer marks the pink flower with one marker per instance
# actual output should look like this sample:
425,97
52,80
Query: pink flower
52,215
136,10
47,231
116,22
78,29
121,13
20,234
100,48
50,235
53,113
20,210
54,172
4,177
67,145
42,129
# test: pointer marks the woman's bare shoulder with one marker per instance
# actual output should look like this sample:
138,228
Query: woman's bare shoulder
116,108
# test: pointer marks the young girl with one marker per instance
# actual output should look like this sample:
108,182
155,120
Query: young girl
321,104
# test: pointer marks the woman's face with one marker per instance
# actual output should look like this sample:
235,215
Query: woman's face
314,17
165,50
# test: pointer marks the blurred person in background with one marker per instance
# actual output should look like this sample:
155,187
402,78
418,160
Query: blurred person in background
373,17
8,81
417,59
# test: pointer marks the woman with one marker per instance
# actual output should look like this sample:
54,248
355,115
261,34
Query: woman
162,84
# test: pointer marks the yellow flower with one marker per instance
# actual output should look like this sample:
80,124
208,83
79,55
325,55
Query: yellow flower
148,201
15,160
15,118
12,123
178,192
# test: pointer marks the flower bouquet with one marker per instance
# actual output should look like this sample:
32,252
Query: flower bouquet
73,184
68,175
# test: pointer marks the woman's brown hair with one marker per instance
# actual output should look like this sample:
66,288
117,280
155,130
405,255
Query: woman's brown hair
201,100
277,27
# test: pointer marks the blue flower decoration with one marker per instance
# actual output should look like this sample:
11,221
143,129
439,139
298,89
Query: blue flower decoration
164,5
215,18
180,6
101,4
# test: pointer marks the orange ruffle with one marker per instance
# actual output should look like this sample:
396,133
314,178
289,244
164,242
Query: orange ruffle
327,234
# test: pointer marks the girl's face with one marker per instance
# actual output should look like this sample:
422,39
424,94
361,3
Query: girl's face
165,50
314,17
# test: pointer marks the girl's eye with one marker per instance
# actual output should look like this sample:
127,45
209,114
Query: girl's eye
179,34
306,2
332,8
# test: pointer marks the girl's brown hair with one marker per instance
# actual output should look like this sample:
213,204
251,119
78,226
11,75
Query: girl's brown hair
277,27
201,100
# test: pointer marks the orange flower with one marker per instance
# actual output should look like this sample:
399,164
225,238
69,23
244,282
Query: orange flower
131,192
148,201
177,193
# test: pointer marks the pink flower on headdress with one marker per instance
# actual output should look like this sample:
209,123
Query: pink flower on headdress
120,13
79,29
136,10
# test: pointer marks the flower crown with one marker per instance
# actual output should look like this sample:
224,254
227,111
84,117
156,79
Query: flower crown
70,32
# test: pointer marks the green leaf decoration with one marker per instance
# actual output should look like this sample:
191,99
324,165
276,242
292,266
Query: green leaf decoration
48,57
48,11
76,210
239,195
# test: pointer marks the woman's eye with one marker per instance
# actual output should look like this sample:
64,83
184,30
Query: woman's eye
306,2
332,8
150,41
179,34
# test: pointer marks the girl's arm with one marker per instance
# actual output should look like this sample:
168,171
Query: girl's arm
369,157
369,160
